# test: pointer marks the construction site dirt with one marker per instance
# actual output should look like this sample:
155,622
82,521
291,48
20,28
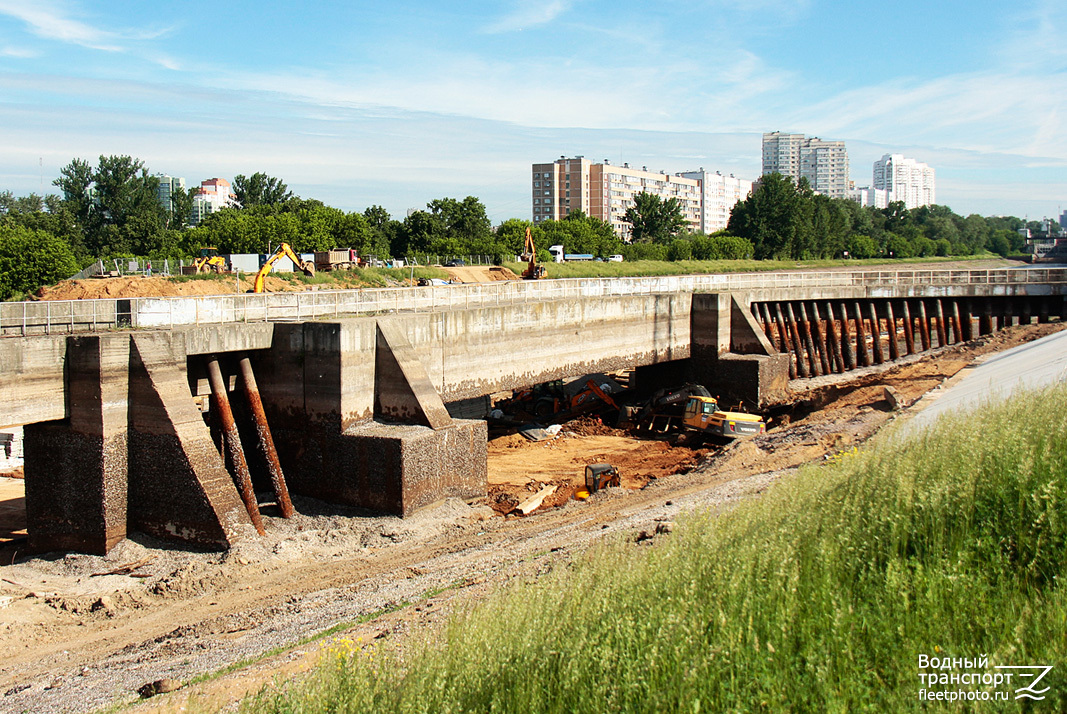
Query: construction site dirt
80,632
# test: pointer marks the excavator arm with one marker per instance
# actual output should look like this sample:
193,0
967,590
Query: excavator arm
308,267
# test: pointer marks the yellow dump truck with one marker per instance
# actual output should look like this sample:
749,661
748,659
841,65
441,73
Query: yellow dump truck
703,414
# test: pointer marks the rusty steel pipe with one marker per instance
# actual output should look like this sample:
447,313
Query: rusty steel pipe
783,333
846,339
861,338
265,440
220,404
891,329
794,331
876,334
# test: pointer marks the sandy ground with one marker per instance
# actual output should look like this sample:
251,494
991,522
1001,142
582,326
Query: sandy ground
75,638
139,286
480,274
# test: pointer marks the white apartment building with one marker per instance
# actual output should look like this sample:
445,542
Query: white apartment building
719,194
823,163
167,186
214,194
867,196
605,191
906,180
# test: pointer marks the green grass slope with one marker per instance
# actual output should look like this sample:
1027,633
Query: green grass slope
818,597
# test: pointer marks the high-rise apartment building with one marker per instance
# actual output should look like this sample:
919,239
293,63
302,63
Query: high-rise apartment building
719,194
823,163
605,191
167,186
214,194
906,180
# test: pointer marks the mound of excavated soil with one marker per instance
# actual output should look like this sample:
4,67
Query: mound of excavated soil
138,286
480,274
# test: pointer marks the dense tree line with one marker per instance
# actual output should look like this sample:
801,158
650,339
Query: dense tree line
787,221
112,210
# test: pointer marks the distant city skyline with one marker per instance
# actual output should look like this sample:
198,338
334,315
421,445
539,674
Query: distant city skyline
360,104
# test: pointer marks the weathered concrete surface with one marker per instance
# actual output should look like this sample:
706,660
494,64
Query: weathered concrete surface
32,380
402,389
178,484
401,468
468,353
76,468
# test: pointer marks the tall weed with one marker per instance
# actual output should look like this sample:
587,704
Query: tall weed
819,596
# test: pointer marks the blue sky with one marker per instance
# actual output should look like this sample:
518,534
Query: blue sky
398,104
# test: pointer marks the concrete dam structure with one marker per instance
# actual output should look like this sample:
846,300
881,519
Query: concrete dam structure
354,398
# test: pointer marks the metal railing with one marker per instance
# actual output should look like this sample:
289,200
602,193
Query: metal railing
65,317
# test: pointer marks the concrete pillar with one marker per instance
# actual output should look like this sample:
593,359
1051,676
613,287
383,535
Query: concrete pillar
1043,310
327,388
76,469
1026,316
861,338
846,339
876,334
891,331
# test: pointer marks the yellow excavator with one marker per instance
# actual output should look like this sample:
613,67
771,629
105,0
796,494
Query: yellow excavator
534,270
307,266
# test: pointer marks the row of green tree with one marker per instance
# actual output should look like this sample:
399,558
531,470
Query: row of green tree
784,220
112,209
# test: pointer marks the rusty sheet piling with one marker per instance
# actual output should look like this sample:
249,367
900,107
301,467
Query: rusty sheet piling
909,330
891,331
861,338
835,339
783,332
876,334
794,331
220,405
924,326
942,333
809,344
846,339
264,439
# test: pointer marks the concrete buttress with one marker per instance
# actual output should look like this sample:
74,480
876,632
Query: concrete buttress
178,484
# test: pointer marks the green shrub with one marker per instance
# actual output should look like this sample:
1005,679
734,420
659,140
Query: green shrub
32,258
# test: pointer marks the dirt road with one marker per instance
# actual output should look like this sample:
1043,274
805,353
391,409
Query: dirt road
74,638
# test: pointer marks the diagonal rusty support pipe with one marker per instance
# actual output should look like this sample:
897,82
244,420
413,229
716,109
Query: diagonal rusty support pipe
220,404
265,440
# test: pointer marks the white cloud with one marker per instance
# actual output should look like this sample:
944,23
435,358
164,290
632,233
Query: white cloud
52,20
19,53
49,20
528,14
